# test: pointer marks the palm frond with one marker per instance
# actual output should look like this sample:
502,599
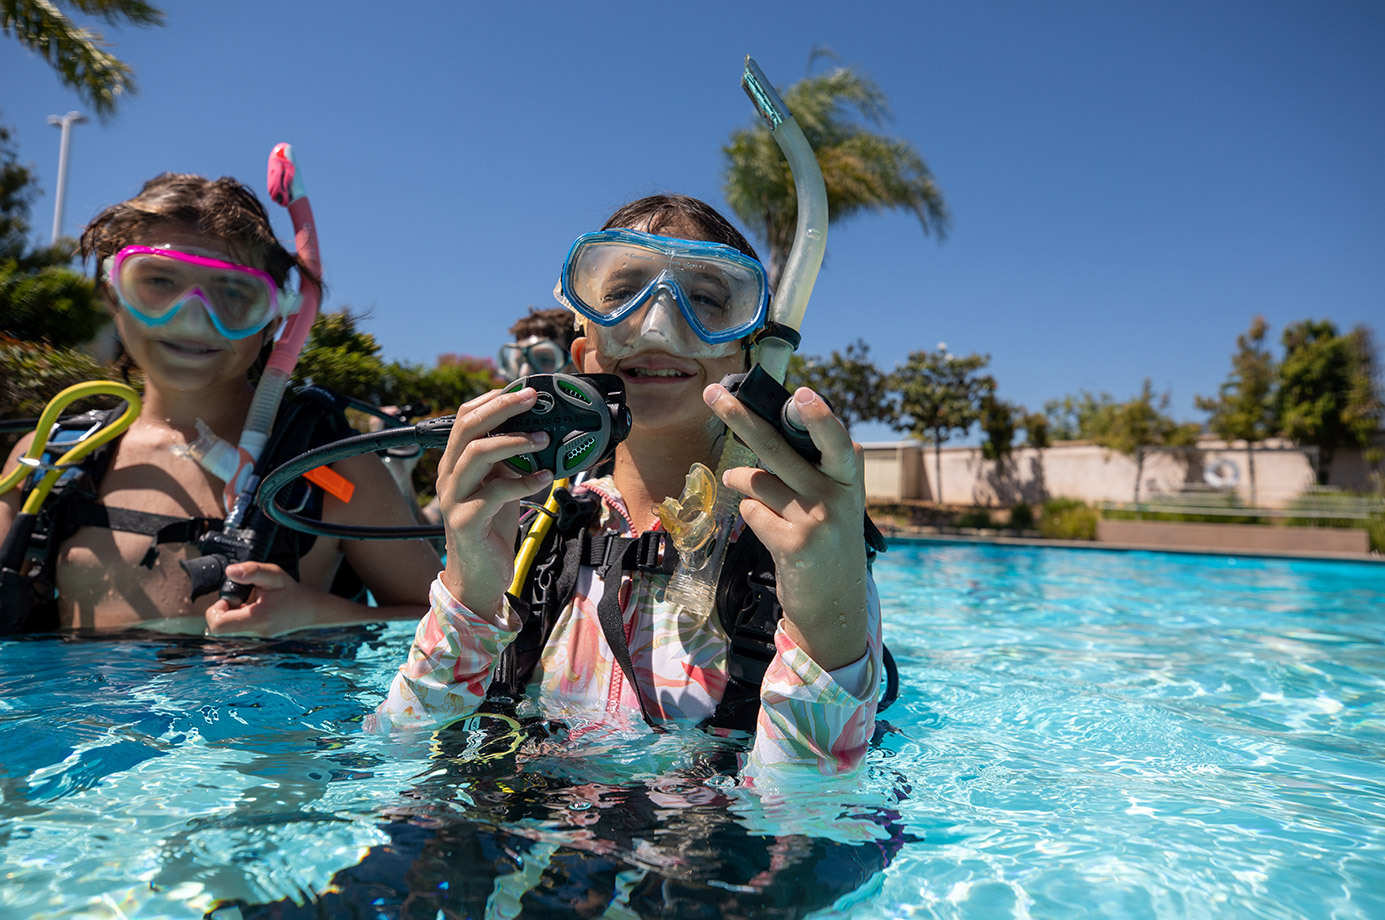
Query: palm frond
863,170
116,12
77,54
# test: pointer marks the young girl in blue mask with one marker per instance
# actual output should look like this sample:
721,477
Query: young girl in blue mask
667,294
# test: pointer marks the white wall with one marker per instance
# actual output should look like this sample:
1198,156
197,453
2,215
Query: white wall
1078,469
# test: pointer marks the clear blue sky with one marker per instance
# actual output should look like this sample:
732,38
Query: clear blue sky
1130,182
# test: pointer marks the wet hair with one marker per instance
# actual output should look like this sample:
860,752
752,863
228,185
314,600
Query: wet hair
660,212
221,208
555,324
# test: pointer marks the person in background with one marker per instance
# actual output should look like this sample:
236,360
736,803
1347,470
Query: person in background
542,345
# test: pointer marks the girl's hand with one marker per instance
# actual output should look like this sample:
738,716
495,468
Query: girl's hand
278,605
811,519
480,497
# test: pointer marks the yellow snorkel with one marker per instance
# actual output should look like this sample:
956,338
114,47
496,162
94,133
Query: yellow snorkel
702,543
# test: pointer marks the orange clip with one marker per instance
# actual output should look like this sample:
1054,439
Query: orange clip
332,482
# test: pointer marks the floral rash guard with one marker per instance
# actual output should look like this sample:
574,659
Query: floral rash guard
809,718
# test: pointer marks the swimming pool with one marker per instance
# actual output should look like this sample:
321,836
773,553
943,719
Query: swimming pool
1079,733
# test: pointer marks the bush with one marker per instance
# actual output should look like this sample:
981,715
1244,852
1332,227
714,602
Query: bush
1166,508
35,372
1068,519
1325,503
1022,517
976,518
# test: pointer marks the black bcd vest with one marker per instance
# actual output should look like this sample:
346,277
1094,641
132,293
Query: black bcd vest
310,416
746,604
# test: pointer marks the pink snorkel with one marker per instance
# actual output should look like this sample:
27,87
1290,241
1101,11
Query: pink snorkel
233,465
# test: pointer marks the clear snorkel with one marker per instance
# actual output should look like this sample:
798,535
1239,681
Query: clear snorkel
702,543
234,464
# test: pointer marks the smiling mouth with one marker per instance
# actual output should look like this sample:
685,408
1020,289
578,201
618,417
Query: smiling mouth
655,373
190,348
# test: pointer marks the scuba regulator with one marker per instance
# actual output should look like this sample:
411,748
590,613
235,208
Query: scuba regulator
585,416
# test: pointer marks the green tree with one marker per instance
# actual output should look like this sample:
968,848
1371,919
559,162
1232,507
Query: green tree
52,304
1136,425
1078,417
1365,410
79,55
939,394
863,170
46,308
17,190
1000,423
1036,436
1329,392
341,357
849,381
1244,407
41,298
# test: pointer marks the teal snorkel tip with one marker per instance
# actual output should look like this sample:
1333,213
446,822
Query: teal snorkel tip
763,94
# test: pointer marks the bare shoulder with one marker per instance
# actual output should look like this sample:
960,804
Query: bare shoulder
375,498
9,502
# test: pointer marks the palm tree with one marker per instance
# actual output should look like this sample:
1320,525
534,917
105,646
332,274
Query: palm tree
863,171
79,55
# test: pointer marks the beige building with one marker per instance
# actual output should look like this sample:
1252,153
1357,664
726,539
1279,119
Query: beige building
906,470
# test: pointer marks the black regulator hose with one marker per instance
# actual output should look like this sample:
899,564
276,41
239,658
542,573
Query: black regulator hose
584,415
432,432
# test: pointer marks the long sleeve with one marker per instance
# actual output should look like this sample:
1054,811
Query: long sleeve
448,669
816,720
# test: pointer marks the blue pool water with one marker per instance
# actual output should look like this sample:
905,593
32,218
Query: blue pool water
1079,734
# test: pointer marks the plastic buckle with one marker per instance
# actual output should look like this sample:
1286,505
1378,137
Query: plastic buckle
44,466
655,553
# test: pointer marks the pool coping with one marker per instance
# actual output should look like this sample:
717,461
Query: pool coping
941,536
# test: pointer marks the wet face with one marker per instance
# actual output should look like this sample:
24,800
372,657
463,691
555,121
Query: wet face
662,362
187,353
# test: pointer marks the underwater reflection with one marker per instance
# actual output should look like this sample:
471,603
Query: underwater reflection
525,834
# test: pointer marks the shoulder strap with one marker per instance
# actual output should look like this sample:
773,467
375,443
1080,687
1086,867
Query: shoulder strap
547,590
163,528
612,619
310,417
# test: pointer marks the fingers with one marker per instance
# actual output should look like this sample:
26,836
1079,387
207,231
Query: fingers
478,417
762,486
839,461
500,490
265,575
223,620
480,461
839,456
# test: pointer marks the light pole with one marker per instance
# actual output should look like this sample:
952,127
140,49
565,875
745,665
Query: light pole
65,122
